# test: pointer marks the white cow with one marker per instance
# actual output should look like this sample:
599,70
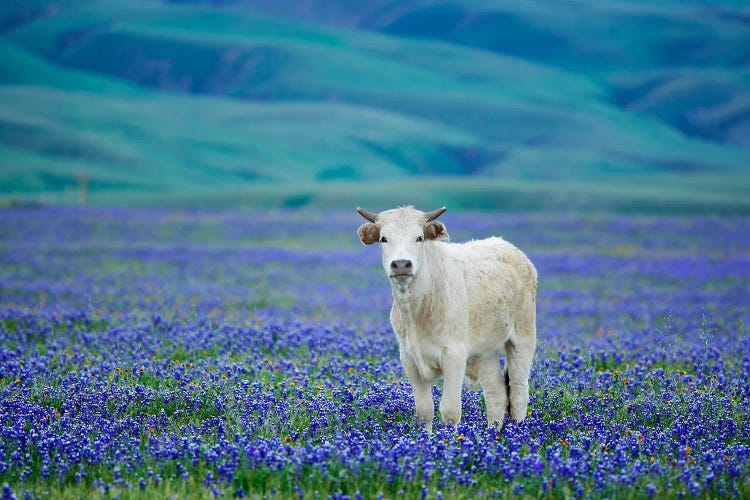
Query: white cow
456,307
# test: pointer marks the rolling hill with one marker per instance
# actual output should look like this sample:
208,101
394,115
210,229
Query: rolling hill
535,104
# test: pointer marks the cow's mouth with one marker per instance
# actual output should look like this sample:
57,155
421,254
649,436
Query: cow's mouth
401,276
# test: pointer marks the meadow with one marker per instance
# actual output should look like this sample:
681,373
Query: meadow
201,354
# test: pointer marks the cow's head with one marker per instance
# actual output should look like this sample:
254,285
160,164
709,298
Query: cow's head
402,233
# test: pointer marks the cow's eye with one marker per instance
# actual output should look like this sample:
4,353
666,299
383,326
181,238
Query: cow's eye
420,238
383,239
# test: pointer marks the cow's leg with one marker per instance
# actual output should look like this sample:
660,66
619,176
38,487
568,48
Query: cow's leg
422,390
453,364
495,392
519,351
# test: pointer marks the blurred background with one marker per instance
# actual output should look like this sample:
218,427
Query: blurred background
608,105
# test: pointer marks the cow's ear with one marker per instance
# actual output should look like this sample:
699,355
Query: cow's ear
368,233
436,231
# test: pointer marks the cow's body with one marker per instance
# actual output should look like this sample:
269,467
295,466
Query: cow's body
462,306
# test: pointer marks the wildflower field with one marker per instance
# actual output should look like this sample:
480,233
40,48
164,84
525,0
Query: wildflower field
193,354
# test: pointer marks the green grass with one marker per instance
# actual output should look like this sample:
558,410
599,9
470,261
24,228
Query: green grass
696,194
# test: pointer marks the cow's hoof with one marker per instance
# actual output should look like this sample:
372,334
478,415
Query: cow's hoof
425,425
496,424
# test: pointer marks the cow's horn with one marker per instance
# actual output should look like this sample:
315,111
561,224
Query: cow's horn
367,215
435,214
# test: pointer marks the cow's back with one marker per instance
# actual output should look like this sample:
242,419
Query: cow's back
495,273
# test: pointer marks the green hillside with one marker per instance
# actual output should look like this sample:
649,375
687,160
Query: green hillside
159,103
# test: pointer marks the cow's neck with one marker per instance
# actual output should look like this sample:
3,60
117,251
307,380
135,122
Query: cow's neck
420,303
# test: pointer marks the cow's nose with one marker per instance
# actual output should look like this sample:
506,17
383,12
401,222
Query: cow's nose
401,266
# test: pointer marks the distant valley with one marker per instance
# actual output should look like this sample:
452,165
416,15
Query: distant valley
574,105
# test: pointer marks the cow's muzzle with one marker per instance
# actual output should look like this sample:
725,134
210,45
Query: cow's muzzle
401,267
